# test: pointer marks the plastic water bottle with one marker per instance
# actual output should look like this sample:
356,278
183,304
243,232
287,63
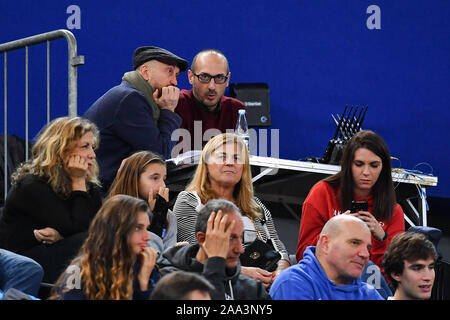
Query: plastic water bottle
242,127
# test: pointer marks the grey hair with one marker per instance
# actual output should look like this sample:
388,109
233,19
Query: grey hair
211,206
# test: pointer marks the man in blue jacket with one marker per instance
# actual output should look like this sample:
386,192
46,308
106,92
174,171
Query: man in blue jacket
332,269
139,113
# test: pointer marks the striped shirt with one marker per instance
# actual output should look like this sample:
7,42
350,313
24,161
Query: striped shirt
188,204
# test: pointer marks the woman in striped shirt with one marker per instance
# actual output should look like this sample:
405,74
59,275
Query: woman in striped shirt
224,172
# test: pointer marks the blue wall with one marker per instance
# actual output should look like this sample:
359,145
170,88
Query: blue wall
316,56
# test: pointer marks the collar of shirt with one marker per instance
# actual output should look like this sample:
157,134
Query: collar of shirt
205,108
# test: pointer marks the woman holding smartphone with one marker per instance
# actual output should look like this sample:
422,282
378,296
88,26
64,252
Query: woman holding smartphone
365,176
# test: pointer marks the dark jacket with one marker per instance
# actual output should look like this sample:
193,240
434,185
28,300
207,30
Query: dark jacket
125,121
229,283
32,204
222,118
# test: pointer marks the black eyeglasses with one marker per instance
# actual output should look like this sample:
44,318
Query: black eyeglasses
206,78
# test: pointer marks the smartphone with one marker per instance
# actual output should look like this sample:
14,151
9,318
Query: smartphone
359,206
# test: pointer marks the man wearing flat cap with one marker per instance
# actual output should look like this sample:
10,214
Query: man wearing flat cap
138,114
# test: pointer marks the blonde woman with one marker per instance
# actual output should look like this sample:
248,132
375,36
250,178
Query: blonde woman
224,172
114,262
54,196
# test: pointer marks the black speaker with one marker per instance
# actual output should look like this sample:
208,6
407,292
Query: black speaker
256,98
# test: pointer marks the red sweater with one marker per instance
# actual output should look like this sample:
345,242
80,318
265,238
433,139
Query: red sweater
322,203
223,118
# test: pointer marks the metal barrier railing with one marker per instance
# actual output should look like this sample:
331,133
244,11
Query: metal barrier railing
73,62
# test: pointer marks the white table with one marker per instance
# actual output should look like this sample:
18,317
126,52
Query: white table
288,182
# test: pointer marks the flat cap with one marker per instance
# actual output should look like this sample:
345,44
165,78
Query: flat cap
144,54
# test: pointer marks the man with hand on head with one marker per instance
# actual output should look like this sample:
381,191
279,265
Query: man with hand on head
332,269
139,113
219,230
205,104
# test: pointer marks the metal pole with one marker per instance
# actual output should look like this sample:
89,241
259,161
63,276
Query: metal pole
423,200
48,81
73,62
73,59
5,141
26,102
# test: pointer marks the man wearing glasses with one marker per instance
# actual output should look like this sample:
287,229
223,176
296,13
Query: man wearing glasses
204,107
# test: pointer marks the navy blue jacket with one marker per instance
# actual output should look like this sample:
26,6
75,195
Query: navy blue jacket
125,120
